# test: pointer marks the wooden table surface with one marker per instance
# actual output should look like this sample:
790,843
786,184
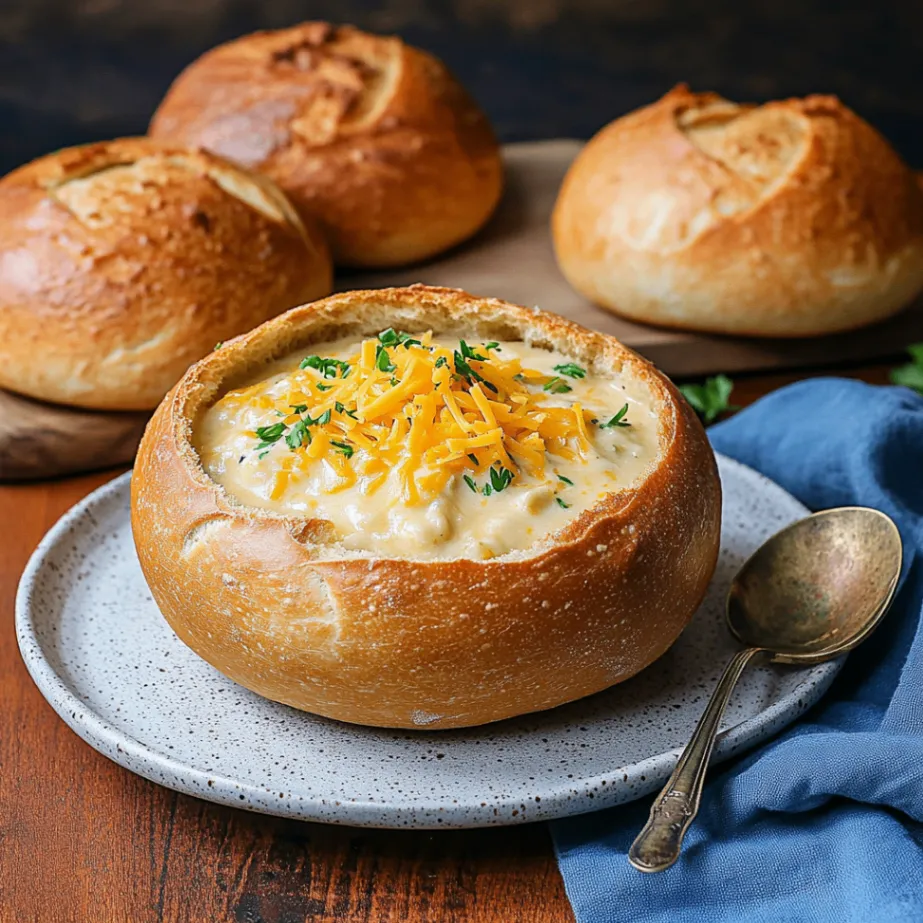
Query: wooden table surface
84,841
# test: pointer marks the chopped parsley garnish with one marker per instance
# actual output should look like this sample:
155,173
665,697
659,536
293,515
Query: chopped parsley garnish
469,353
557,386
298,435
324,417
474,458
322,387
338,407
383,361
343,447
710,400
561,503
571,369
464,369
567,481
327,367
911,374
219,344
269,434
470,482
394,382
486,490
441,362
493,344
616,420
392,337
299,408
500,478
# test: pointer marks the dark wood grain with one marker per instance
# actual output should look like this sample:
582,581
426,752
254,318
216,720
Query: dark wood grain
39,440
85,841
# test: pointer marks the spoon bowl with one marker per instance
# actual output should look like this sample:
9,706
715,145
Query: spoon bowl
812,592
817,588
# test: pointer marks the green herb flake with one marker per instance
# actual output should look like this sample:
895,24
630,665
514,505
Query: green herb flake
617,420
322,387
324,417
493,344
557,386
269,434
383,361
567,481
299,408
343,447
327,367
298,435
500,478
911,374
470,482
441,362
469,353
219,344
486,490
561,503
710,399
474,459
392,338
571,369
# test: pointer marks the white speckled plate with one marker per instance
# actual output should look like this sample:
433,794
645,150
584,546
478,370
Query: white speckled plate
107,662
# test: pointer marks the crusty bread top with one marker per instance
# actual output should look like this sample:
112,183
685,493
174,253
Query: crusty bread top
373,137
126,260
417,307
719,161
792,218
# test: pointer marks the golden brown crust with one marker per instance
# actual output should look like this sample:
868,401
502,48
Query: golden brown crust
373,137
123,262
436,643
794,218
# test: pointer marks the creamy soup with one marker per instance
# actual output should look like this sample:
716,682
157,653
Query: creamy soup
423,446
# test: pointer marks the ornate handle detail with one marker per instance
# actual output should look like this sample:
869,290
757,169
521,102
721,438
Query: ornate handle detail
658,845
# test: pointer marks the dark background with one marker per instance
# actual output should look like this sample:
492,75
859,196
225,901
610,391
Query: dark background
80,70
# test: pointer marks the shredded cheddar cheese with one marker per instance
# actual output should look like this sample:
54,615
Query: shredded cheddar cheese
427,411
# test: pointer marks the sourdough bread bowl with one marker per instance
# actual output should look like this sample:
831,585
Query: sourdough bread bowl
372,136
495,595
794,218
123,262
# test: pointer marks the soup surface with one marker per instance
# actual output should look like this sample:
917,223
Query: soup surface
423,446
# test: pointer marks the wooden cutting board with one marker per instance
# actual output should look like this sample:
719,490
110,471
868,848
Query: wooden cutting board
512,259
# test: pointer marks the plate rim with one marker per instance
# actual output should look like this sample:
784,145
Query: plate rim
584,795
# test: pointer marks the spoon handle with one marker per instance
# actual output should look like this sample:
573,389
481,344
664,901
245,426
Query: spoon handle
658,845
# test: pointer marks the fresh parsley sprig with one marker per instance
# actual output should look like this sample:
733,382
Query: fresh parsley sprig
710,399
571,369
911,374
617,420
557,385
391,338
327,367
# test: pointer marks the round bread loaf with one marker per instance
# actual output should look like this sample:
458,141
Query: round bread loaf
373,137
280,603
795,218
123,262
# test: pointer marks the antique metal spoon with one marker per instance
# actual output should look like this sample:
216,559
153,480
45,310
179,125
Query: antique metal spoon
812,592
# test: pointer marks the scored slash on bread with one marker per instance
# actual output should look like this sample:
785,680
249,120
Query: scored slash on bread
370,136
794,218
125,261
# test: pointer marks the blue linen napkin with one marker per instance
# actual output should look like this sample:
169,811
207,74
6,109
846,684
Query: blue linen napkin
825,822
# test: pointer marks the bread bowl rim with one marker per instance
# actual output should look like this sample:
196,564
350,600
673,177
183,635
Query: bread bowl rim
200,387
